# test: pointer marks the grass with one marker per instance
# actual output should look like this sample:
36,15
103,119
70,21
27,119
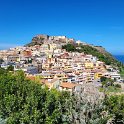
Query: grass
110,89
114,89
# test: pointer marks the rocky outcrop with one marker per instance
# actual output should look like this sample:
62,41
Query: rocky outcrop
40,39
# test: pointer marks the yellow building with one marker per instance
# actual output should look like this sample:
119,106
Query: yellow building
89,65
53,46
98,75
61,77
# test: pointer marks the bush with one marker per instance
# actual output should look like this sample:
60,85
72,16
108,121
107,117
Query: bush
24,101
69,48
117,85
10,68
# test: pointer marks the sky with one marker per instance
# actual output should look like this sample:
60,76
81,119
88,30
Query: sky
98,22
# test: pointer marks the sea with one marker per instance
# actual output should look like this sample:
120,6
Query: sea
119,58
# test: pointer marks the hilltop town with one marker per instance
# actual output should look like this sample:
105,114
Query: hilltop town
44,60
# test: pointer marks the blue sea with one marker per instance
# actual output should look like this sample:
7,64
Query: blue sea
119,58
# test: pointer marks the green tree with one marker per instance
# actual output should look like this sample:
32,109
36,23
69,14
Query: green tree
10,68
69,47
103,79
24,101
115,107
1,61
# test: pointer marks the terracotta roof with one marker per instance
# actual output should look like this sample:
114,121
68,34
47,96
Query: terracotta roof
68,85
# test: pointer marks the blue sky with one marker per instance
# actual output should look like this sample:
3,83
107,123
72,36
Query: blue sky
99,22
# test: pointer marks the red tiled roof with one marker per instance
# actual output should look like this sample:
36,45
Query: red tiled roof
68,85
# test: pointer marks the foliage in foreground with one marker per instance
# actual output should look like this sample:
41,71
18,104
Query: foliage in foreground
115,108
25,102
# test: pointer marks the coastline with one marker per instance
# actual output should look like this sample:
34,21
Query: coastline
119,58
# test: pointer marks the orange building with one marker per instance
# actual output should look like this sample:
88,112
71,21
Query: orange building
27,53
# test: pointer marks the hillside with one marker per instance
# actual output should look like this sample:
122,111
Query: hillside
66,92
104,52
71,45
99,52
107,54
